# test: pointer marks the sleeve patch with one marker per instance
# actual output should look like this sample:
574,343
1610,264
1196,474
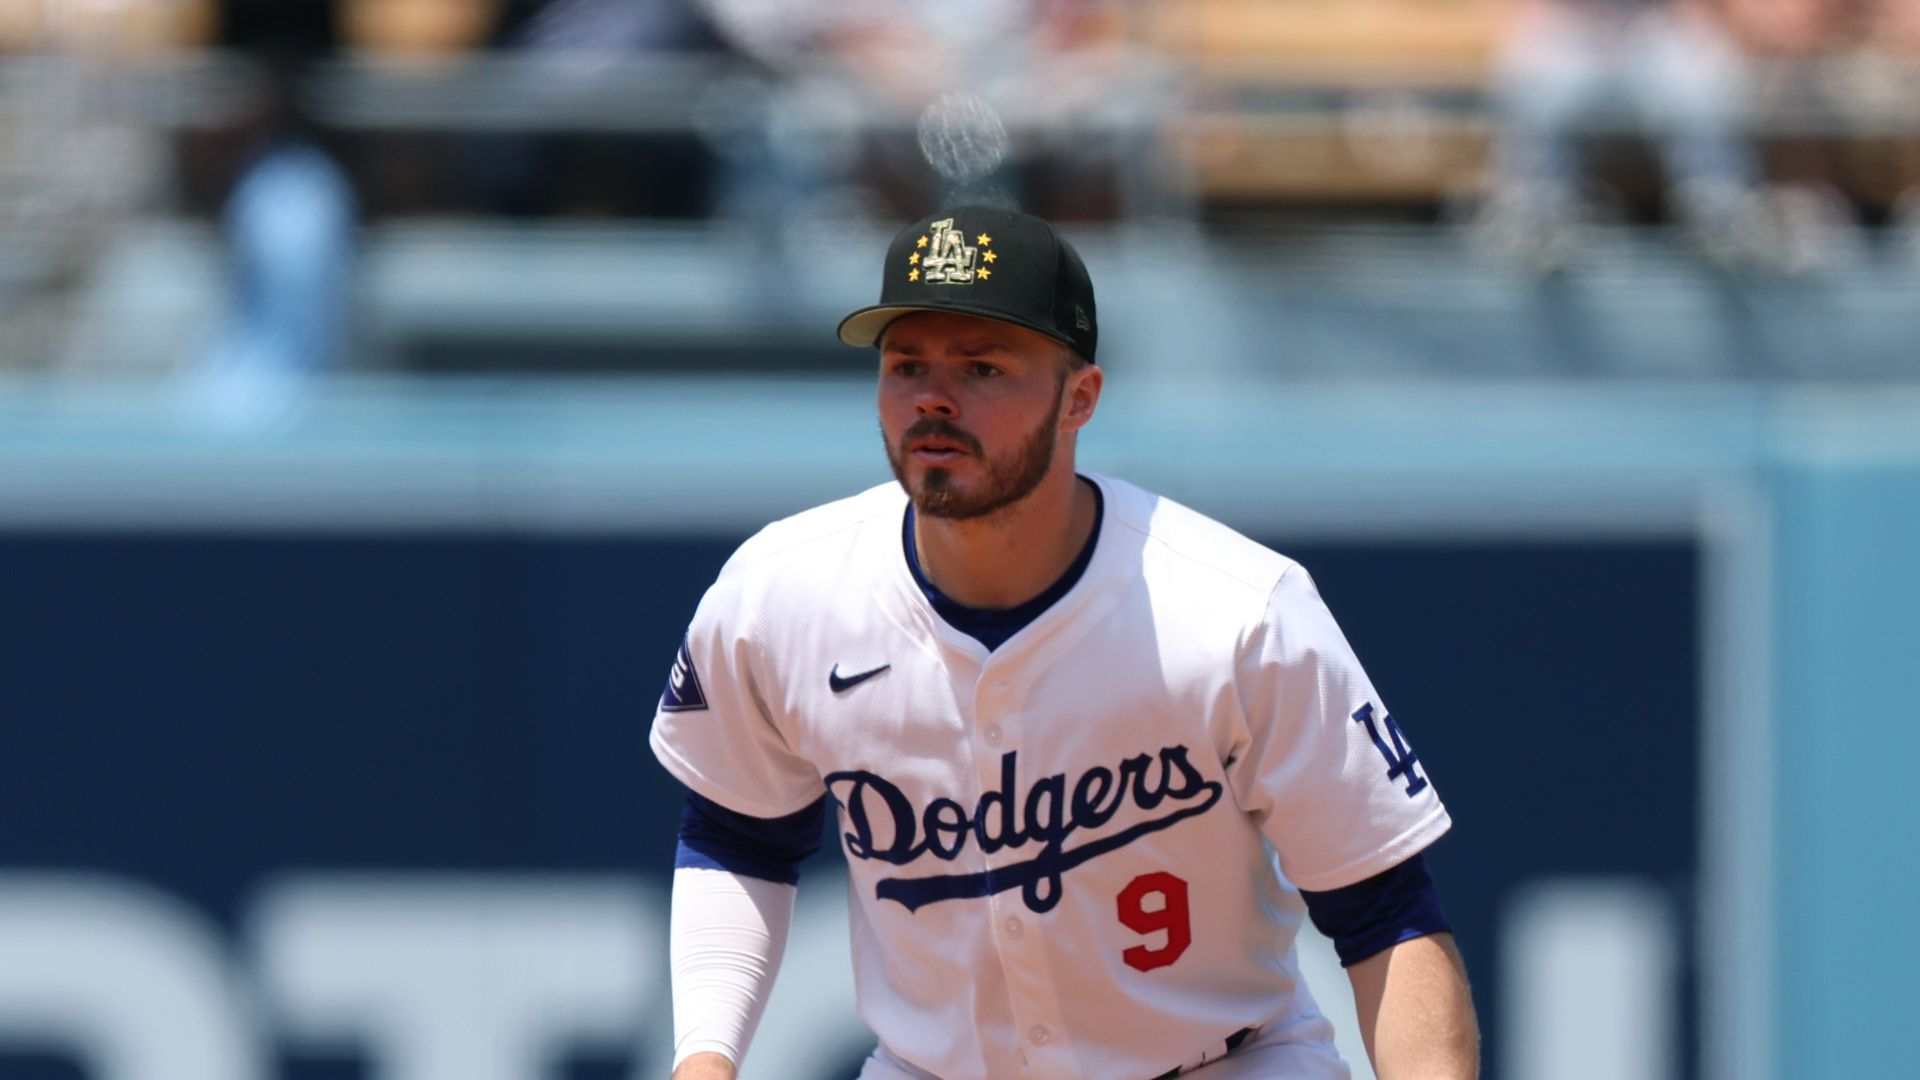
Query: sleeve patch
683,692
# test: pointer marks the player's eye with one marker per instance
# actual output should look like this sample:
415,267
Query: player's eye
906,367
982,369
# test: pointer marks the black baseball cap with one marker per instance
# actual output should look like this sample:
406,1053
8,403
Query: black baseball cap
985,261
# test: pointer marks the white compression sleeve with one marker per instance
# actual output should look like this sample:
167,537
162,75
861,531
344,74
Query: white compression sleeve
727,934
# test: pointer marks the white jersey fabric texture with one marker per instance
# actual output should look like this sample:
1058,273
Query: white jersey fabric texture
1076,855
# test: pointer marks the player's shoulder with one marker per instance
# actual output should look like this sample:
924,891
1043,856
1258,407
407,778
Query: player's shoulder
817,538
1183,543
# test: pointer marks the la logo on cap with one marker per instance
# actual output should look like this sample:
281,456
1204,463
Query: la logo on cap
943,256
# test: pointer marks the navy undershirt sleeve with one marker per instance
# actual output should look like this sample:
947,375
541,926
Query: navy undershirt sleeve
713,837
1368,917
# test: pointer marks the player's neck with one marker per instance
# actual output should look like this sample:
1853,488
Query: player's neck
1010,557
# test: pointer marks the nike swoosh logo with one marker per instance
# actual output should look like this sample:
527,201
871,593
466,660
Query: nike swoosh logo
841,683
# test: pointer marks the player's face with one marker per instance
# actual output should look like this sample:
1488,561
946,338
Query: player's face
972,411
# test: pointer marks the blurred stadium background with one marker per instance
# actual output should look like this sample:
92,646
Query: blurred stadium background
381,381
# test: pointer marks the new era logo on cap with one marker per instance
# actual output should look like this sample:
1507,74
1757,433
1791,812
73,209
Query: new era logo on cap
985,261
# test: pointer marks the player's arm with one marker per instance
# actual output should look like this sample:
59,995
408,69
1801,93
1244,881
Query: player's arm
733,892
728,932
706,1065
1321,746
1415,1012
734,875
1408,984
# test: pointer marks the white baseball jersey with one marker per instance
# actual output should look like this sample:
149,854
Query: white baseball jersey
1061,852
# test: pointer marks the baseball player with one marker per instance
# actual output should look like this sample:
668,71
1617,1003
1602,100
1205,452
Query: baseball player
1093,756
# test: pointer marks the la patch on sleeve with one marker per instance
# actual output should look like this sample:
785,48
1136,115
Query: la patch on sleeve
683,685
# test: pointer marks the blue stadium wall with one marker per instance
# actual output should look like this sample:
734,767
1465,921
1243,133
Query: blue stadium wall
234,707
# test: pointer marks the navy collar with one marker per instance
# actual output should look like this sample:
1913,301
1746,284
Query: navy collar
993,626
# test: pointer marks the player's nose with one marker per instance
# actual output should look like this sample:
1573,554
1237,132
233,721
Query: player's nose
934,397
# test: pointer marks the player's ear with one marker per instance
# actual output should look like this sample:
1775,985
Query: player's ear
1082,395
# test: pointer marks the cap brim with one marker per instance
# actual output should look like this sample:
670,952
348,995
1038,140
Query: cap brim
864,327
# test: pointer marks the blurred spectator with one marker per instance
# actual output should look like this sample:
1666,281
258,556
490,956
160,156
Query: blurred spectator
586,30
124,27
1790,46
289,225
851,69
77,159
415,31
1669,67
283,27
1884,89
577,50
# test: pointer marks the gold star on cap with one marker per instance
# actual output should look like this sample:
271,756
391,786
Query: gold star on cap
983,239
984,273
920,243
914,258
913,275
992,256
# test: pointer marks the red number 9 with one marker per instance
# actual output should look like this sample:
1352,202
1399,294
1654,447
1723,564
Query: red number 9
1170,914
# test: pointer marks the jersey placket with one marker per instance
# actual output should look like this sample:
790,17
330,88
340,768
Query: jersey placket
1045,1046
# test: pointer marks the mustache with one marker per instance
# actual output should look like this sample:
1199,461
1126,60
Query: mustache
934,427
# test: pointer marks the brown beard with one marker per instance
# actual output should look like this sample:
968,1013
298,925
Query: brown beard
1009,479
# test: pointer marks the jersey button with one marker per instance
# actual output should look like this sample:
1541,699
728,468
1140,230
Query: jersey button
992,735
1014,926
1038,1034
